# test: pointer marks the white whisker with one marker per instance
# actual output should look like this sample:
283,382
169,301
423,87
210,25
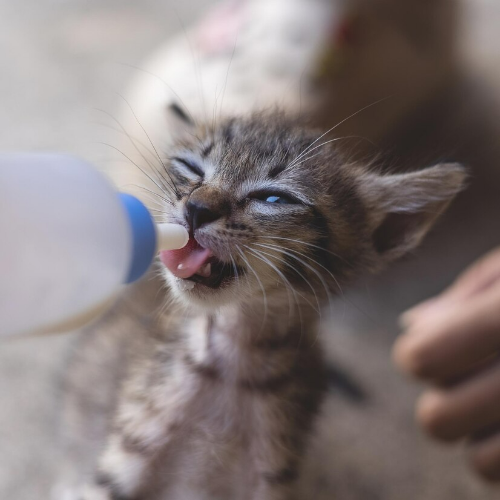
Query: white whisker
315,271
288,285
260,284
318,310
343,121
172,185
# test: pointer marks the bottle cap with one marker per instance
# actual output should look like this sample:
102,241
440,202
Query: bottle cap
147,238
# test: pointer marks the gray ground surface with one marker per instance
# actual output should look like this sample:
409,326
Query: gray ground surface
58,61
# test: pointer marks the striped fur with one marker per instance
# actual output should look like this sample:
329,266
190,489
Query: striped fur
220,396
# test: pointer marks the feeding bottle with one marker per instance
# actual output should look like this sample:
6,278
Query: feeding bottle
68,242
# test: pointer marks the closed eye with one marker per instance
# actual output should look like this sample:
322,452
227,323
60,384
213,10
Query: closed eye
190,165
272,196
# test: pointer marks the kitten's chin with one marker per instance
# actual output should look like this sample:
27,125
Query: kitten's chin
211,294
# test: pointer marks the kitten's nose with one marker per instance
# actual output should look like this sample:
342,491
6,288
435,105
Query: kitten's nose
199,214
204,207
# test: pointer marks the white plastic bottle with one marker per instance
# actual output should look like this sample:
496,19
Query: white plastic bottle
68,241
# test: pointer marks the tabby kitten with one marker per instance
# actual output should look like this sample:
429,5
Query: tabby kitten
219,397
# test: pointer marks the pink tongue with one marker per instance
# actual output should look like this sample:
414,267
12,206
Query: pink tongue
187,261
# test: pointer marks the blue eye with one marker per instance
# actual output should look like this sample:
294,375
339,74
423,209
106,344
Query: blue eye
274,197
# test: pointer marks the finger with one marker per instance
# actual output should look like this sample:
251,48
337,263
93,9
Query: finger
470,372
407,318
444,345
463,410
484,456
477,278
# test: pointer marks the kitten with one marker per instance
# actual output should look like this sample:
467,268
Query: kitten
219,397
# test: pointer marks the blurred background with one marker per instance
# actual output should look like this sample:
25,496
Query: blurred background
63,60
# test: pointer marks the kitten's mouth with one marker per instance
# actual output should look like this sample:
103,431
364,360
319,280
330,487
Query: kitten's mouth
197,264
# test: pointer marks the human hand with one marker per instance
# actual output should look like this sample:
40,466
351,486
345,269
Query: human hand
452,342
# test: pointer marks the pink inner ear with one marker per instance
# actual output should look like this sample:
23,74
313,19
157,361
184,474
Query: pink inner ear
187,261
396,230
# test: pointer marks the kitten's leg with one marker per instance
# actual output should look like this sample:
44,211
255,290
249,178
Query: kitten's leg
121,472
277,466
141,433
284,408
277,449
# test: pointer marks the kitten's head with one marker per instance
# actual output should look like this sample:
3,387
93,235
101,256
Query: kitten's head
272,211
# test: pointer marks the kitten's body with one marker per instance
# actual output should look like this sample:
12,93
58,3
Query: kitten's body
206,406
219,395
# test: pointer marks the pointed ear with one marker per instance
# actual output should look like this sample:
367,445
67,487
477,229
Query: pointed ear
180,122
403,207
178,111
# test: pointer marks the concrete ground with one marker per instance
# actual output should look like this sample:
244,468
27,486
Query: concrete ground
61,60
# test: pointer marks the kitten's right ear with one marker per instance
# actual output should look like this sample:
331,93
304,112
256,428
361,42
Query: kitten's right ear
402,208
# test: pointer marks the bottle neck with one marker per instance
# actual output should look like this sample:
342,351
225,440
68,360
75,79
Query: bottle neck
144,238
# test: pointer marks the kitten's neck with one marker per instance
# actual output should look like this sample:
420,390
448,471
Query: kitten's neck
239,332
256,322
246,344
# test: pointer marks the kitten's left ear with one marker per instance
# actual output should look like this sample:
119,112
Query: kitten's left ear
180,122
403,207
175,110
